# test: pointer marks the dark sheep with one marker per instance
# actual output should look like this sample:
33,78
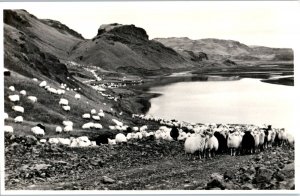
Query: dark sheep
6,73
103,138
248,143
174,133
41,126
222,142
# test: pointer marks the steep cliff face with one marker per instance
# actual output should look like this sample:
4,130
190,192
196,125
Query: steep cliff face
127,48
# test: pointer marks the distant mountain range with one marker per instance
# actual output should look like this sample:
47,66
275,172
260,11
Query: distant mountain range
35,45
218,49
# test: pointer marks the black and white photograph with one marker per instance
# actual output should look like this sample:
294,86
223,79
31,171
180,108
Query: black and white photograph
194,97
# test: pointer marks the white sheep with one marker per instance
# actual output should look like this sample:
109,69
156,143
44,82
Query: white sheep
117,122
18,109
96,117
112,127
19,119
63,101
83,141
34,79
93,111
8,129
67,123
64,141
43,141
58,129
5,116
182,135
68,128
88,125
86,116
98,126
38,131
33,99
143,128
53,140
211,144
101,114
194,143
60,92
66,107
120,138
111,141
290,139
138,135
77,96
11,88
129,136
233,142
23,92
52,90
14,98
135,129
43,84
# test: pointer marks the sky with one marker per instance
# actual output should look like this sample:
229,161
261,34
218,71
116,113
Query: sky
274,24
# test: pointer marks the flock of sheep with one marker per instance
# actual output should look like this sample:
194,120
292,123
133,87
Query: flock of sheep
203,139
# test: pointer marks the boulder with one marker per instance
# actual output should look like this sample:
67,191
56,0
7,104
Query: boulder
263,175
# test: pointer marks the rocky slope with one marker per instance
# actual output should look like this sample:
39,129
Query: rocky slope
126,48
218,49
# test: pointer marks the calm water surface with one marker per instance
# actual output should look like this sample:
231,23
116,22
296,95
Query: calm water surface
241,101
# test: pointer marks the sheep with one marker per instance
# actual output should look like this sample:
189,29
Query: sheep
23,92
33,99
111,141
63,101
129,136
34,79
68,128
174,133
222,142
93,111
14,98
88,125
66,107
195,143
98,126
67,123
64,141
138,135
38,131
53,140
135,129
19,119
281,136
182,136
8,129
11,88
86,116
77,96
58,129
43,141
143,128
256,136
117,122
18,109
233,142
60,92
103,137
43,84
290,139
5,116
211,145
101,114
96,117
261,139
52,90
248,143
120,138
